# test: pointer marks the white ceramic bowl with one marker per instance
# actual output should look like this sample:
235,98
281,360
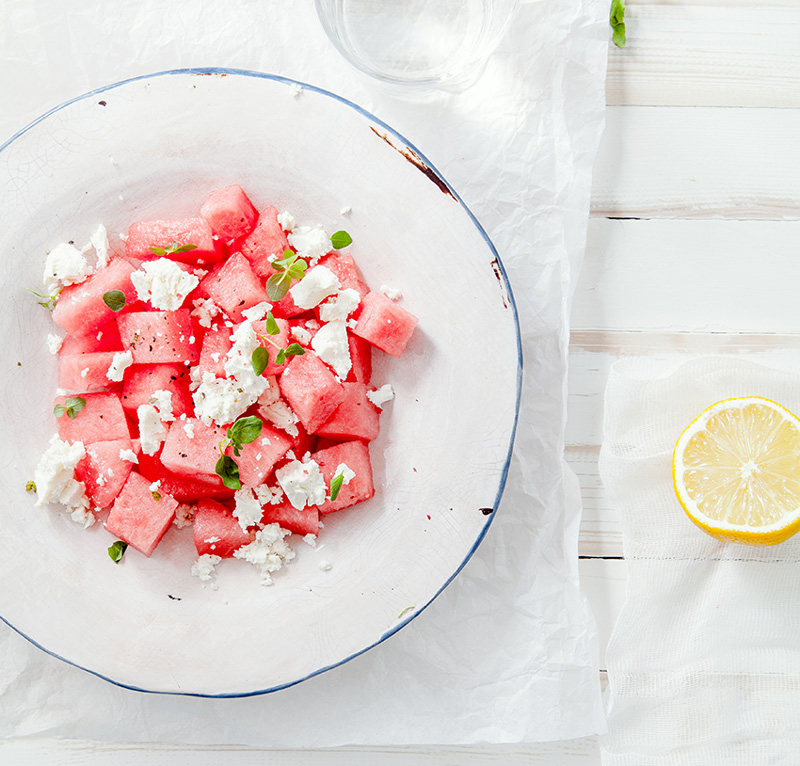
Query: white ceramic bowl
153,147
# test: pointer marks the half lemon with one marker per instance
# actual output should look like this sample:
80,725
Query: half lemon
736,471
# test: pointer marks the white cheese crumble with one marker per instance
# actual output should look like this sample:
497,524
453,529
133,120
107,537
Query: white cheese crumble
163,283
301,335
84,372
189,428
271,393
391,293
54,343
310,241
286,220
381,396
121,361
340,306
310,539
203,568
129,455
346,210
347,473
155,486
268,495
331,346
259,311
204,311
162,401
184,516
268,552
99,241
318,283
303,483
325,566
296,89
55,479
247,510
65,265
151,430
281,415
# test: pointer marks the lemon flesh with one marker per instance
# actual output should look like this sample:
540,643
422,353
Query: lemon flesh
736,470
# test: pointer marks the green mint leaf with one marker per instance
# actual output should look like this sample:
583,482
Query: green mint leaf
294,349
336,485
298,269
159,251
116,550
341,239
156,496
49,301
259,359
228,471
245,430
617,20
281,357
278,285
59,410
30,486
114,299
272,325
185,248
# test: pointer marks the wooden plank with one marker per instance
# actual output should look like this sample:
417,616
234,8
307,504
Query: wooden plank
685,54
698,162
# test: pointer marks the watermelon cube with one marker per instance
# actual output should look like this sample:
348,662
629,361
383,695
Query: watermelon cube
355,455
182,488
286,307
355,418
385,324
301,522
216,345
233,286
229,213
361,358
344,267
85,372
311,390
163,234
106,338
267,239
103,471
193,456
159,336
101,419
142,381
257,459
137,517
80,308
217,531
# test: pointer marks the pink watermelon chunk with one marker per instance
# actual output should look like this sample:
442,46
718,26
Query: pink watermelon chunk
143,235
257,459
217,531
105,339
85,372
183,488
137,517
159,336
80,308
355,455
103,471
196,456
355,418
300,522
102,419
229,213
267,239
344,267
234,286
361,358
216,345
311,390
144,380
385,324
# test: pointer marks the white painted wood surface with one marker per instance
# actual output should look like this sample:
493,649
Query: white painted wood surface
695,215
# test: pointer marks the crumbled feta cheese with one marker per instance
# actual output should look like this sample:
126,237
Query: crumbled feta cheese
340,306
151,430
203,568
286,220
215,355
99,241
347,473
184,515
155,485
84,372
259,311
314,287
325,566
312,324
310,241
296,89
204,311
330,344
301,335
268,495
346,210
195,377
247,510
271,393
189,428
55,479
269,551
310,539
100,481
303,483
391,293
162,401
65,265
163,283
54,343
281,416
381,396
121,361
239,362
129,455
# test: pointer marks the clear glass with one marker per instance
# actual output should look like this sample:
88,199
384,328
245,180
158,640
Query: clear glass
442,43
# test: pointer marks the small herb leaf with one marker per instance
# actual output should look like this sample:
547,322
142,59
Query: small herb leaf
336,485
272,325
116,550
30,486
114,299
159,251
245,430
185,248
280,358
259,360
341,239
278,285
71,407
228,471
617,19
295,349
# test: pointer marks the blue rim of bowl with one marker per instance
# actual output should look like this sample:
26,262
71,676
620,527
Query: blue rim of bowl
512,305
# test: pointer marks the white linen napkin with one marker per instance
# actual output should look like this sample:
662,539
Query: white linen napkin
704,660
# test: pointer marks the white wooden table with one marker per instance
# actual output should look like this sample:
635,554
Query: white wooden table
695,217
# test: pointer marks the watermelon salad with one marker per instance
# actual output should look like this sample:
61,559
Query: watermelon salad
216,373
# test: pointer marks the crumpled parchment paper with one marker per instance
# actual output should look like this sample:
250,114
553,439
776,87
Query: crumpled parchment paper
508,652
